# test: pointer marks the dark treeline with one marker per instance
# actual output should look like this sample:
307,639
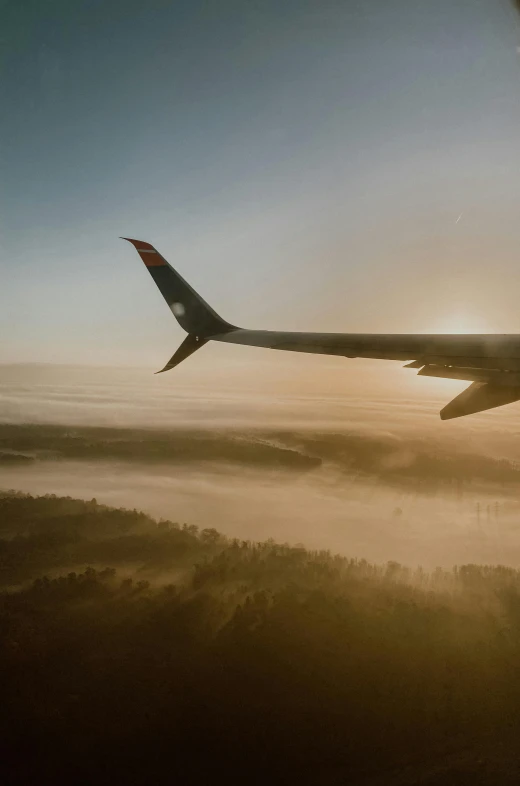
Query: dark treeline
47,442
410,463
133,651
48,534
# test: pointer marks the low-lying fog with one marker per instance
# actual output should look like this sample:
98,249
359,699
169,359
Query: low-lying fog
368,476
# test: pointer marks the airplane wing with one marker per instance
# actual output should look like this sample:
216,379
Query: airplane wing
490,362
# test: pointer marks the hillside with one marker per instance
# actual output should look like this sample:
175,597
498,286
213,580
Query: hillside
154,652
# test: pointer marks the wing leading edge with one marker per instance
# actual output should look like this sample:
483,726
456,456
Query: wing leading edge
490,362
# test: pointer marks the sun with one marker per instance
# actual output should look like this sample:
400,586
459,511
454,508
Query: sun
461,324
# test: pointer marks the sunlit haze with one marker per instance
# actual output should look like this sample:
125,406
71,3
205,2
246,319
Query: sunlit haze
260,567
343,166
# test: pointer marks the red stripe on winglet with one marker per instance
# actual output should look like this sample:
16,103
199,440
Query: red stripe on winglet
152,260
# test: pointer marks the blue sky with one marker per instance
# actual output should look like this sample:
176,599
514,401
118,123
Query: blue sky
344,165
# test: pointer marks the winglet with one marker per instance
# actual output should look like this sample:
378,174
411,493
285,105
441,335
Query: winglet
190,345
191,311
148,253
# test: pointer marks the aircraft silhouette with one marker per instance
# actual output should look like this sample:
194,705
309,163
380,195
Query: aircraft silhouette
490,362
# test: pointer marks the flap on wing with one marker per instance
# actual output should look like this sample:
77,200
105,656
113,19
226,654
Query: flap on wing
479,397
505,378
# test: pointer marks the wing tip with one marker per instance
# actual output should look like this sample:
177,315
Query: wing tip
139,244
149,255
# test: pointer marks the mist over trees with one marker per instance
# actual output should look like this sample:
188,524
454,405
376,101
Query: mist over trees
139,651
416,464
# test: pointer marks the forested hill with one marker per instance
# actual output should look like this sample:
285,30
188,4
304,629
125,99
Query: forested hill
135,651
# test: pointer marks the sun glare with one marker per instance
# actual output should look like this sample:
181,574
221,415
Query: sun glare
460,324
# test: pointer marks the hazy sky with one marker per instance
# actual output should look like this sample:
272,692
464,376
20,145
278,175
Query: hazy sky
336,165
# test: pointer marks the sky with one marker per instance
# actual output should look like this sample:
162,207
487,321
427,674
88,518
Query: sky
342,165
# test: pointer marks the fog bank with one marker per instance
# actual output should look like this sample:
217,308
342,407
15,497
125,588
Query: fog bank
378,478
